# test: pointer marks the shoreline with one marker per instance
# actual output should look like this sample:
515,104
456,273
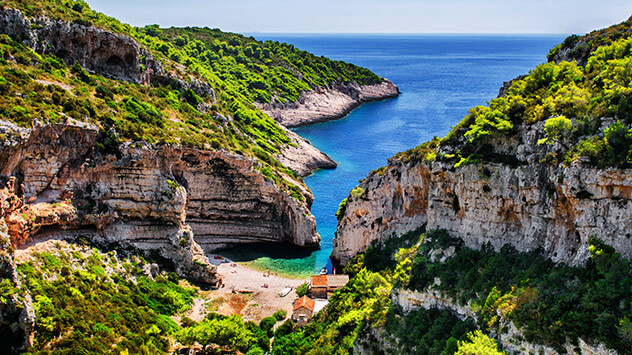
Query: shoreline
244,295
320,105
328,104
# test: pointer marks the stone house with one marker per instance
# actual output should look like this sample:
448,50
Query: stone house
303,310
323,286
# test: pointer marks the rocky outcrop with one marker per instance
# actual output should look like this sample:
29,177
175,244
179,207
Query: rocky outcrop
410,300
528,204
509,337
17,317
327,103
579,48
99,51
174,203
303,157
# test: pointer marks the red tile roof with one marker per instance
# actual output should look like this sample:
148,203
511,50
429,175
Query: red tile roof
304,302
319,280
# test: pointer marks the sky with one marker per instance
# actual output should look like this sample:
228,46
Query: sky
373,16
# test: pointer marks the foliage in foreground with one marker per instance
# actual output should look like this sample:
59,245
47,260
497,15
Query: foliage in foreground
365,302
552,302
89,302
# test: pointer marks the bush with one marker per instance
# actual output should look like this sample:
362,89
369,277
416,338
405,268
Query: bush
556,128
280,314
302,289
478,344
284,329
267,324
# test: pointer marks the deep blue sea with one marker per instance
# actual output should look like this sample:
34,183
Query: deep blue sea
440,77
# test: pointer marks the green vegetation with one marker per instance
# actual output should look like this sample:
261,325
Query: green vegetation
280,314
341,209
556,128
551,302
240,71
572,99
478,344
580,47
365,302
89,302
262,72
357,192
302,289
427,331
229,332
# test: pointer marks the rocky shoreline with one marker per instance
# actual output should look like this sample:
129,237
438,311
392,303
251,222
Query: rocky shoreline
329,103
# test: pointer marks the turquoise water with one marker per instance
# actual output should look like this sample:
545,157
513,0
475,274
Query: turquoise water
440,76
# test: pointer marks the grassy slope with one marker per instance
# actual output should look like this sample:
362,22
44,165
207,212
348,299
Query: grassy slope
91,302
239,69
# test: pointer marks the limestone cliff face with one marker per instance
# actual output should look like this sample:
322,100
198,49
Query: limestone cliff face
99,51
303,157
17,316
176,203
328,103
529,205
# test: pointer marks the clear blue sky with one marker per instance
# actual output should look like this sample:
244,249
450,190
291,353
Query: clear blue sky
374,16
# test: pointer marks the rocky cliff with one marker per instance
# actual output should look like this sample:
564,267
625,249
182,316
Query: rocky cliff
509,336
17,316
328,103
529,204
131,193
99,51
152,198
121,57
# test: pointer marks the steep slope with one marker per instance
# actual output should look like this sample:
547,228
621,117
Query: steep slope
544,166
517,223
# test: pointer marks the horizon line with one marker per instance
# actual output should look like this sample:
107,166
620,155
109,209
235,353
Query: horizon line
408,33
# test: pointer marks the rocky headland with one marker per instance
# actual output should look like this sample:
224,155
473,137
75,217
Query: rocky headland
328,103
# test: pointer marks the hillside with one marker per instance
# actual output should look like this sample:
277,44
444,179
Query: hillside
509,235
149,142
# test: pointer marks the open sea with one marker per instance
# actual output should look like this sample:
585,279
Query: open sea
440,76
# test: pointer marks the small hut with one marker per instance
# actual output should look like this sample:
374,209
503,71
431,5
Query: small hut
303,310
323,286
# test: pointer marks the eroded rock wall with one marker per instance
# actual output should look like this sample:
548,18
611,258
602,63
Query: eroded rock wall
17,317
510,337
174,202
529,204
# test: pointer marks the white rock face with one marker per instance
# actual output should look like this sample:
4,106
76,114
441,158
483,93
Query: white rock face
303,157
529,205
327,103
176,202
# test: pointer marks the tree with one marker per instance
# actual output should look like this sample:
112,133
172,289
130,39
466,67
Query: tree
280,314
478,344
267,324
302,290
556,129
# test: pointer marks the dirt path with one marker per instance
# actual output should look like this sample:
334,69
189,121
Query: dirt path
198,310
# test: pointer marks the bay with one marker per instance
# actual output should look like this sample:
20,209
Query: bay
440,76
